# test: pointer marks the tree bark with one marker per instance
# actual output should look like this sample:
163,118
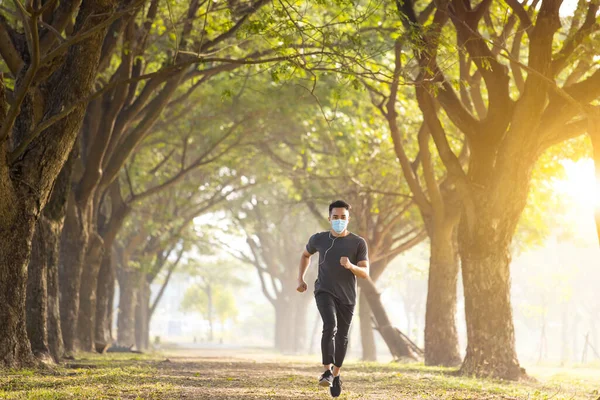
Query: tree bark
441,338
54,215
129,284
142,331
55,338
283,331
110,310
72,254
104,294
104,279
299,324
367,337
486,279
37,290
15,245
86,319
397,343
35,163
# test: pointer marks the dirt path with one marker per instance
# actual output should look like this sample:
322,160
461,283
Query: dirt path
255,375
248,374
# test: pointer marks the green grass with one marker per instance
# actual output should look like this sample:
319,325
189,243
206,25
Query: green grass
199,375
92,377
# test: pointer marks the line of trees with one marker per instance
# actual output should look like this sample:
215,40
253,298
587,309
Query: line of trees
122,121
97,84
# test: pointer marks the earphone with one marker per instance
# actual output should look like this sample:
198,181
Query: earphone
330,247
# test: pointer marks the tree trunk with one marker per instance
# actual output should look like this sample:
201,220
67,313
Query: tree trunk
142,333
86,321
313,336
110,310
367,337
55,337
26,189
129,284
43,314
54,213
147,321
211,333
298,326
37,290
152,308
441,338
398,344
283,333
16,232
490,331
72,254
106,280
102,277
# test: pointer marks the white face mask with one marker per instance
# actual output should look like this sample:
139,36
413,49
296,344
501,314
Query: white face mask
339,225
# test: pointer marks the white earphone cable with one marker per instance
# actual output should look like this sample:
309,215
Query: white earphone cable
330,247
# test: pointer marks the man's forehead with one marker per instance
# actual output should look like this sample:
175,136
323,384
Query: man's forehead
339,211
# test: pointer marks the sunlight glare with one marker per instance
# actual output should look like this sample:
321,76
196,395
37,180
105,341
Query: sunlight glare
580,184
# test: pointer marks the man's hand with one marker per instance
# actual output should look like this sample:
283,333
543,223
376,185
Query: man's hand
345,262
302,286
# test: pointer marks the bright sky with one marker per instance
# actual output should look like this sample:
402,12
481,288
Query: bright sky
581,190
567,8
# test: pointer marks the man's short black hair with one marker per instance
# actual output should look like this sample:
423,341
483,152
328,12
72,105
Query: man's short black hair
339,204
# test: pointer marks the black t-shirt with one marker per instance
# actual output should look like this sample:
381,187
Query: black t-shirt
333,277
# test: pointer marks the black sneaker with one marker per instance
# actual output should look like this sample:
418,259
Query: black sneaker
336,387
326,379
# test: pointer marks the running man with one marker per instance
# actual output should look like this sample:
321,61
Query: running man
343,256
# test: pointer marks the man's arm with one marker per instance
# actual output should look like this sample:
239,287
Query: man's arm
304,263
361,270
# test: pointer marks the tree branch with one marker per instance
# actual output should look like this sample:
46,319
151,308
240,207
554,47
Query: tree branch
60,19
260,269
9,53
516,69
200,161
127,146
389,226
437,203
520,11
93,172
34,49
493,72
62,48
391,116
161,292
426,13
232,31
448,157
401,248
567,131
559,61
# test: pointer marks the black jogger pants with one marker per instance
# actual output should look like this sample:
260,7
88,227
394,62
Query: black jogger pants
336,324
